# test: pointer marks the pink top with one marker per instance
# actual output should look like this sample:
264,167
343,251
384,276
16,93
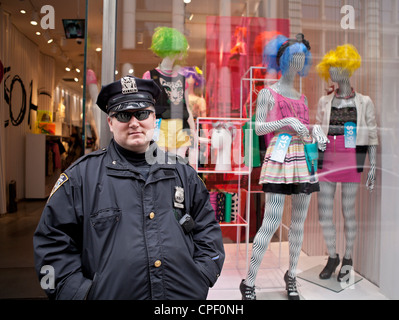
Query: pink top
147,74
287,108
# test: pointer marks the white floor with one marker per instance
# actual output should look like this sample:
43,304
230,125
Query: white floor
270,284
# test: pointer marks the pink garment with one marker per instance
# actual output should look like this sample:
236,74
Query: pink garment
339,164
213,200
91,77
287,108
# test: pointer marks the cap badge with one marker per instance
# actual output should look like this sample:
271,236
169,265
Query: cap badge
128,85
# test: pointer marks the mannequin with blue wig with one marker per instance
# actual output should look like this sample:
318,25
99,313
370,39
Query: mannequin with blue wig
282,110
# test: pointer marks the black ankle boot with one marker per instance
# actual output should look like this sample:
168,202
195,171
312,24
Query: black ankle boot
247,292
290,286
346,267
329,269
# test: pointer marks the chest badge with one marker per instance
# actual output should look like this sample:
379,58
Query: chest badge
179,198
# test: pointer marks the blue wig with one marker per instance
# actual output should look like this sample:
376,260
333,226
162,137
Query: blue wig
272,48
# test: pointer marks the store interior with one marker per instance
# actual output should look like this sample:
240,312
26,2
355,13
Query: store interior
62,66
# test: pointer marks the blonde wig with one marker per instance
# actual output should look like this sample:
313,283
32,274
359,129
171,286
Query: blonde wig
345,57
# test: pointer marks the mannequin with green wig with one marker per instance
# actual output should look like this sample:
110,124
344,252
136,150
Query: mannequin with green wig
177,130
348,119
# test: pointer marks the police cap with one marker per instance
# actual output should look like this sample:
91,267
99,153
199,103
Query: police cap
128,93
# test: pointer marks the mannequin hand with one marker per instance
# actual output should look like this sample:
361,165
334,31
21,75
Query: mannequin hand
320,137
371,180
298,126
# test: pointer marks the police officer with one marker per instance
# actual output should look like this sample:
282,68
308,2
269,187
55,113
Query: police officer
128,221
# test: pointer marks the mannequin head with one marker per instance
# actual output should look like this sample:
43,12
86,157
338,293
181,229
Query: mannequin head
339,63
283,54
169,42
338,74
195,79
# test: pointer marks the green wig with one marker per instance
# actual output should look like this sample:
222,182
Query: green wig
168,42
345,57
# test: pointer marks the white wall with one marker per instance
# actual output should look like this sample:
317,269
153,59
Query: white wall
26,61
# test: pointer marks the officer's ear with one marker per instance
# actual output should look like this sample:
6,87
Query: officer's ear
109,120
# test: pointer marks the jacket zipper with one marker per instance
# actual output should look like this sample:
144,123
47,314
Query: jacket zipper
146,247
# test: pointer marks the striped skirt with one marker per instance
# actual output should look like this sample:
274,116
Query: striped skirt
290,177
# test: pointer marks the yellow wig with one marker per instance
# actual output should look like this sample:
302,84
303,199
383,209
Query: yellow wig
345,57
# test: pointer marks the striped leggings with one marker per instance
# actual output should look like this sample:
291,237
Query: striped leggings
274,208
326,203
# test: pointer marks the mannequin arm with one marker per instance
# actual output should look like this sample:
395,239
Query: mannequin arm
190,119
319,135
265,102
372,150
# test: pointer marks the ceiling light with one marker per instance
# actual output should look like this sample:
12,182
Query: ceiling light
131,71
38,33
186,1
77,70
76,79
34,19
22,11
116,72
98,49
69,66
47,37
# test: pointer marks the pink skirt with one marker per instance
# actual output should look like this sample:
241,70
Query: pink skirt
339,163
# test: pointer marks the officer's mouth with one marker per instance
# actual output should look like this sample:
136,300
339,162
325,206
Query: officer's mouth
135,133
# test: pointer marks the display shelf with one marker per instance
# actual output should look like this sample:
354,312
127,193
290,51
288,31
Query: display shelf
238,148
223,139
240,223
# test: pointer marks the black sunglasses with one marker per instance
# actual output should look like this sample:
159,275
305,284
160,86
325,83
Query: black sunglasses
125,116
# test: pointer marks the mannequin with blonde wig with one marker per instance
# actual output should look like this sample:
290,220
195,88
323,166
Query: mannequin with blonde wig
344,115
177,125
345,57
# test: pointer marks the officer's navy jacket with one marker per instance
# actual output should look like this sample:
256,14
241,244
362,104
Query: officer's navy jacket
105,233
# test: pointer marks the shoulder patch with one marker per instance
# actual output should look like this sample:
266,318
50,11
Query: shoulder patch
61,180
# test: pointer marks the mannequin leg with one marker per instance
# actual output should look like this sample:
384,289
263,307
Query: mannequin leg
349,192
273,214
300,205
325,204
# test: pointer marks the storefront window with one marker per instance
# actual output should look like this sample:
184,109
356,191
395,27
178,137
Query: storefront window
226,41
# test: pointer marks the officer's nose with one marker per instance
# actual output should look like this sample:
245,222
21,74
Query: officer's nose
134,123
